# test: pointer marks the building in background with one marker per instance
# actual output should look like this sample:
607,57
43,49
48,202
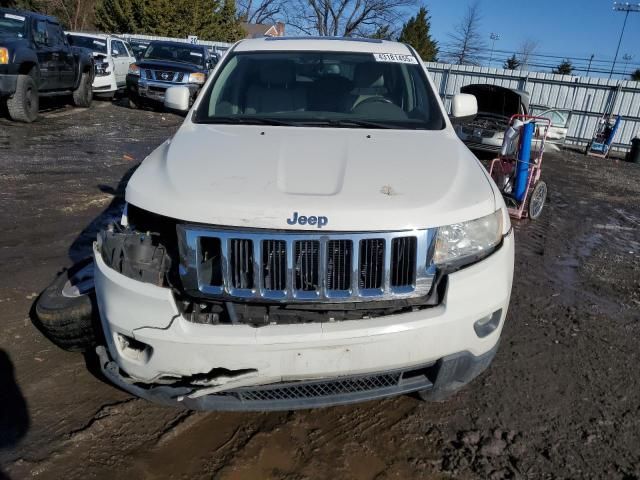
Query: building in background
257,30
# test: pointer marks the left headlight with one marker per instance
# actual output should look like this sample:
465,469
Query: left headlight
460,244
197,78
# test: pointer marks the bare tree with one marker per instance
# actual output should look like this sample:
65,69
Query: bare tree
345,17
75,14
527,49
465,42
260,11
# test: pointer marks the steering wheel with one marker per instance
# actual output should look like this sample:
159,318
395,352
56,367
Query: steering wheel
376,99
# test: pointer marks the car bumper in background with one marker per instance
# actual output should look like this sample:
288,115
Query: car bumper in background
154,91
247,360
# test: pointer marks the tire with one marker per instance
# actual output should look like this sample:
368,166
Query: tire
66,310
23,105
134,102
83,95
536,200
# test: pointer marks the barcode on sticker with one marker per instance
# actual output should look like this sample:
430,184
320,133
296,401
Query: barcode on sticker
395,58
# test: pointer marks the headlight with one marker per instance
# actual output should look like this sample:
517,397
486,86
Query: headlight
134,70
4,56
463,243
102,68
196,78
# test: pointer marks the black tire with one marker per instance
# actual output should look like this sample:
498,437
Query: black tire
23,105
83,95
134,101
66,310
536,200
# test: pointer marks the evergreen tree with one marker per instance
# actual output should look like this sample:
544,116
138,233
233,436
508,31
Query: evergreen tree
120,16
382,33
636,75
512,63
564,68
416,32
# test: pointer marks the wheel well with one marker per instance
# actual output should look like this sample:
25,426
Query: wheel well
86,68
26,68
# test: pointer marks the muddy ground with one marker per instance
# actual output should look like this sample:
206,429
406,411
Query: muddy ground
561,400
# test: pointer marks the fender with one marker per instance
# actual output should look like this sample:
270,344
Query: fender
84,62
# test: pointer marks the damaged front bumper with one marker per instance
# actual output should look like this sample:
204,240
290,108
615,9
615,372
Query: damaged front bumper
155,352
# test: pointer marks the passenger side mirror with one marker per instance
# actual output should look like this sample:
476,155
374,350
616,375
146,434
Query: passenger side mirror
464,108
177,98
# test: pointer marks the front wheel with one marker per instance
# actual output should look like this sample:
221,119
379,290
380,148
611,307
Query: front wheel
23,105
537,199
83,95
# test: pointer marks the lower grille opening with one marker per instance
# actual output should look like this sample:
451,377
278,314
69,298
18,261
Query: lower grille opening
306,261
403,261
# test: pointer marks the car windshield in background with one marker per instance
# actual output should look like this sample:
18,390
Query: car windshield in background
174,53
94,44
332,89
12,25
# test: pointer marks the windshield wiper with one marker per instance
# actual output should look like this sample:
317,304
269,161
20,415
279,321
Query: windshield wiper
246,121
347,122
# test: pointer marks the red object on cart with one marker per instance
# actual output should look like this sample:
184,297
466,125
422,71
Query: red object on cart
503,171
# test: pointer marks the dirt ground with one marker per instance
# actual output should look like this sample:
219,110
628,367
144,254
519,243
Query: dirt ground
561,400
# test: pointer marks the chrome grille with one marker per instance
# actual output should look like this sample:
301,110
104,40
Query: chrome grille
303,266
163,75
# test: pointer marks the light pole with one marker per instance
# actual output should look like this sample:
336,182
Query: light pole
623,7
627,58
590,60
493,37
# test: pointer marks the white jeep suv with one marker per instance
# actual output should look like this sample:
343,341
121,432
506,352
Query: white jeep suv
315,233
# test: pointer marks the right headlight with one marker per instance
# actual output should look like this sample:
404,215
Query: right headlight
460,244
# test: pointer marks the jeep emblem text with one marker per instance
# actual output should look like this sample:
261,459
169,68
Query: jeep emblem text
312,220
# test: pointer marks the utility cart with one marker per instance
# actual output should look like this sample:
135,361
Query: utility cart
518,169
606,129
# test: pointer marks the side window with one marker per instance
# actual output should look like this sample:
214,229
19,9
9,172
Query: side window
54,37
129,51
117,49
40,32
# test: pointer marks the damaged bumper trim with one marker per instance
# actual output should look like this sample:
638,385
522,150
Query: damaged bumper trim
437,379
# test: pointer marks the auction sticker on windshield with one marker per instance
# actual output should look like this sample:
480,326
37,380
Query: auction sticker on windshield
395,58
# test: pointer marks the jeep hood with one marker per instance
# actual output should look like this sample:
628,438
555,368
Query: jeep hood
361,180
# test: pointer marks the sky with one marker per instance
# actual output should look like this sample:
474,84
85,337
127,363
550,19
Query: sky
575,28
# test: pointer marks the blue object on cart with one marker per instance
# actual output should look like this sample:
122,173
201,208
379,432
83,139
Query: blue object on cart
524,155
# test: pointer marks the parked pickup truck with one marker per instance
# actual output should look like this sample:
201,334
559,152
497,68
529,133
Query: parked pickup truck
315,233
165,64
37,60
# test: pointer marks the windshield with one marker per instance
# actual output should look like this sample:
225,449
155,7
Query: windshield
94,44
174,53
12,25
335,89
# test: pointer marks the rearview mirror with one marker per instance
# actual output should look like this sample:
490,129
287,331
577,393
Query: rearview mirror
464,108
177,98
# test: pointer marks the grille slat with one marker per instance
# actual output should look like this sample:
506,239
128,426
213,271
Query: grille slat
371,263
306,265
274,264
339,264
403,261
241,263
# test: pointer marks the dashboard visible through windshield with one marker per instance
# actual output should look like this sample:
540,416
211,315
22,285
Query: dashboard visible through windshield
335,89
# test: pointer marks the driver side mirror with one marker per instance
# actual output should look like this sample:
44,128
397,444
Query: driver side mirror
177,98
464,108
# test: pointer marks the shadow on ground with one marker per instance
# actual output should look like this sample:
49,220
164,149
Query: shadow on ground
14,414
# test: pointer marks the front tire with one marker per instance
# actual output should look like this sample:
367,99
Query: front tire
66,311
23,105
83,95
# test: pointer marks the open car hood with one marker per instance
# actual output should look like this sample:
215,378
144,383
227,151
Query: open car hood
496,100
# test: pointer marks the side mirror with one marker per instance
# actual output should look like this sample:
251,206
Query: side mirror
464,108
177,98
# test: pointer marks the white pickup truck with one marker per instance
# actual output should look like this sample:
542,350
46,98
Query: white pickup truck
315,233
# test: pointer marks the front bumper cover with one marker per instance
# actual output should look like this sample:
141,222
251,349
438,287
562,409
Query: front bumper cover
435,382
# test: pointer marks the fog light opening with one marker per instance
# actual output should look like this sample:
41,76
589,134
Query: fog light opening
488,324
133,349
